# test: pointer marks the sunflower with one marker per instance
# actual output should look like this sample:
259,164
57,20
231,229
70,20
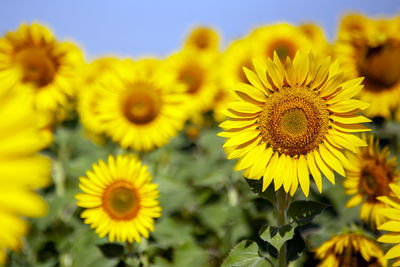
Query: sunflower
22,170
138,110
294,121
371,48
350,249
317,37
119,199
31,55
370,179
203,39
88,95
191,70
392,212
284,39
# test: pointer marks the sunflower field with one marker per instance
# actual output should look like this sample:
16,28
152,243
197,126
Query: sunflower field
275,148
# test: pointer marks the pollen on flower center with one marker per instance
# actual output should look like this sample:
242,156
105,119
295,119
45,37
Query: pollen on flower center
120,200
294,121
37,66
381,66
141,106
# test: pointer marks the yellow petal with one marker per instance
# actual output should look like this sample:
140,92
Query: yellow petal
260,163
316,174
391,238
324,168
354,201
249,158
393,252
279,171
253,79
301,64
349,119
241,138
295,179
250,91
261,71
287,181
244,107
304,178
269,171
331,160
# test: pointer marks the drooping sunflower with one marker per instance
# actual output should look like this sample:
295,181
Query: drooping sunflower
373,173
119,199
350,249
22,169
31,55
371,48
193,71
203,39
294,121
392,212
138,110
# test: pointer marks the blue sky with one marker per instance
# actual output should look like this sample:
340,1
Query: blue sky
157,27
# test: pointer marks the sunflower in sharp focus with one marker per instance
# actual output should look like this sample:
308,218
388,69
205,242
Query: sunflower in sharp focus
138,110
203,39
22,170
371,48
373,173
350,249
119,199
294,121
392,212
31,55
194,72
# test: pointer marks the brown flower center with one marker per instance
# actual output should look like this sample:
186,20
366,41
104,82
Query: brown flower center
120,201
380,65
375,178
37,66
201,39
193,77
352,257
142,104
294,121
283,48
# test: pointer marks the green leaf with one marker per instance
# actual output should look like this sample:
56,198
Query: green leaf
245,254
277,236
256,187
303,211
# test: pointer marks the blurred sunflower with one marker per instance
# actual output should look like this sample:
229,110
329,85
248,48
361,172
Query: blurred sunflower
88,95
371,48
284,39
350,249
139,110
22,170
392,212
194,72
373,173
31,55
119,199
294,121
203,39
317,37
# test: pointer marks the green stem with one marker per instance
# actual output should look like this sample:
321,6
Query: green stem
281,208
